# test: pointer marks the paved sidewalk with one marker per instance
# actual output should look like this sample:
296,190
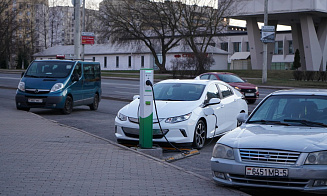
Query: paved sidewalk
41,157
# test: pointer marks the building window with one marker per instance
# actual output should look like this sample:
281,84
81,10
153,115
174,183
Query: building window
224,46
105,62
247,46
237,46
278,47
129,61
290,47
142,61
117,61
93,58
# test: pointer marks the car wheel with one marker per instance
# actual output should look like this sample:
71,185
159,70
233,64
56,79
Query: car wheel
95,104
200,134
68,107
251,101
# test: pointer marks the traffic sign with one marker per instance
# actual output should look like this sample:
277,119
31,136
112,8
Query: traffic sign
87,38
268,34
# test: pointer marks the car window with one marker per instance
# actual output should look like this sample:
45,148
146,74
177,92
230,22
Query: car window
292,109
78,70
229,78
205,77
225,91
213,77
89,72
178,91
212,92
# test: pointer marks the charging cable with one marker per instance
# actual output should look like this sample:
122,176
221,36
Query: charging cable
149,83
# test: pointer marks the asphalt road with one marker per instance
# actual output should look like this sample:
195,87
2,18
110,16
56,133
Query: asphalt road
116,94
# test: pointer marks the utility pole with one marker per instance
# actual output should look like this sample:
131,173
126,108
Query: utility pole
83,30
77,33
265,47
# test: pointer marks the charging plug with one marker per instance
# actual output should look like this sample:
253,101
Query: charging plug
148,82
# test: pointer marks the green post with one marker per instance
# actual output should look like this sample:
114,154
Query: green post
146,109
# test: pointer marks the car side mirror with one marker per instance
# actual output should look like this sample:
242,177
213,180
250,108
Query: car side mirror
136,97
213,101
242,117
22,74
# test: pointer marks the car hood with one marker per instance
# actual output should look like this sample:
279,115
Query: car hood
291,138
165,108
242,85
41,83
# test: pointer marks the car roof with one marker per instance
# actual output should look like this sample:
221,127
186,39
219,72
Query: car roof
65,60
191,81
227,73
321,92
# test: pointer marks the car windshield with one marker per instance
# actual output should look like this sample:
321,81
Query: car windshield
178,91
291,110
228,78
49,69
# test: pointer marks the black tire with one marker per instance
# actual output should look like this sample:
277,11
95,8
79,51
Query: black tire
68,107
22,108
200,134
95,104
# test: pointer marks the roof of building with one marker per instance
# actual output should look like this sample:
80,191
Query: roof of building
109,49
240,56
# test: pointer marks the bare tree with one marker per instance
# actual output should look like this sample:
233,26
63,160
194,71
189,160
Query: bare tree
201,24
8,26
55,16
151,22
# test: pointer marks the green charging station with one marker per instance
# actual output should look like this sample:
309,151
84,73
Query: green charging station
146,109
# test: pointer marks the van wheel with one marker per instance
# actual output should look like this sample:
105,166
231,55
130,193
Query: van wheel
200,134
95,104
68,107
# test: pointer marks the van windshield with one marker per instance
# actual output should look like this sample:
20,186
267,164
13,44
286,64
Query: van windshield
49,69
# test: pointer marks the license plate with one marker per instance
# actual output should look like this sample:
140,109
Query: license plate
265,171
250,94
35,100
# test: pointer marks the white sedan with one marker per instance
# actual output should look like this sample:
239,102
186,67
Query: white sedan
189,112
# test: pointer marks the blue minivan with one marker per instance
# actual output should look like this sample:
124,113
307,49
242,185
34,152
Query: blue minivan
59,84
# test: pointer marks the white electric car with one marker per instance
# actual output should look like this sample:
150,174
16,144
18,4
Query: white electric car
189,112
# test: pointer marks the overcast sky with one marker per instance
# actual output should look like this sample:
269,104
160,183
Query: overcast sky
92,3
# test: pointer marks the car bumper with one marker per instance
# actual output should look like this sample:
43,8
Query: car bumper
300,177
52,101
182,132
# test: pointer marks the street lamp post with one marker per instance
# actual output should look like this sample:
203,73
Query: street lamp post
77,33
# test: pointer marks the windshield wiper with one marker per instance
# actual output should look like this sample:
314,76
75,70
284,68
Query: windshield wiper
306,122
269,122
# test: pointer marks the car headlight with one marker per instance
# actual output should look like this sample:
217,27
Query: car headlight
237,88
21,86
121,117
222,151
57,87
177,119
317,158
